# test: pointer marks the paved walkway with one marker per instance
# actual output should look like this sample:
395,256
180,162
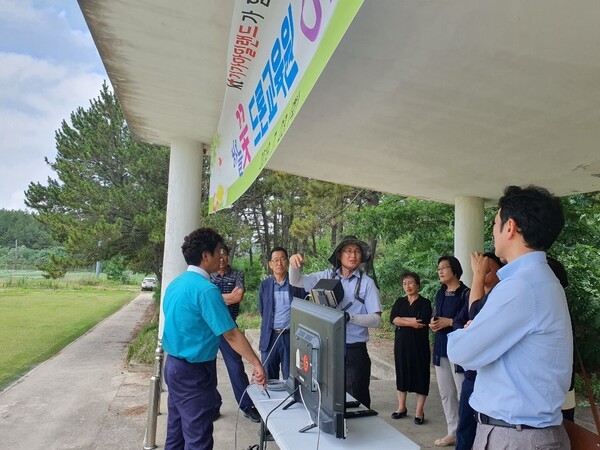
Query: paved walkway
82,398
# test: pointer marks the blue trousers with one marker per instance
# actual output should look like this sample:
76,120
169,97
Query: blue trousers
278,353
191,402
467,425
237,376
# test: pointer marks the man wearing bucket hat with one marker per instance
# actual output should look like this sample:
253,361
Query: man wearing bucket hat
361,303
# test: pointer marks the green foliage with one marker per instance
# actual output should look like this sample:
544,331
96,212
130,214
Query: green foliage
253,275
109,197
156,294
412,234
143,349
249,303
577,249
594,380
248,321
36,280
56,267
24,258
20,228
115,270
253,272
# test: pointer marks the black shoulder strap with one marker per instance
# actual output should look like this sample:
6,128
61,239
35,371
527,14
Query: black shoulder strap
356,289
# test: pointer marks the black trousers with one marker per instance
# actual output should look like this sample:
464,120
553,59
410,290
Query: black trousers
358,372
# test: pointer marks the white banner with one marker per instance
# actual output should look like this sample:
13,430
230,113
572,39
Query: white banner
277,50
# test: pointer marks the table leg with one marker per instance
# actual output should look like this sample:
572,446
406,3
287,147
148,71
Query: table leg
263,435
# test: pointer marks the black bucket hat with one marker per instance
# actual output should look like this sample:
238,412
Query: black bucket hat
348,240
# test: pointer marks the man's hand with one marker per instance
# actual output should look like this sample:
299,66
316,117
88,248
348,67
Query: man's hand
296,261
258,375
479,263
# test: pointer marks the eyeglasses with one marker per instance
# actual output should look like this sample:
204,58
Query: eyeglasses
350,252
439,269
279,260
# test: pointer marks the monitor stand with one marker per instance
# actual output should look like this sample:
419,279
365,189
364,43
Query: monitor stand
310,426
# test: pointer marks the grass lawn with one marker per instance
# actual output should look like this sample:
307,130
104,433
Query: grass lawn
36,323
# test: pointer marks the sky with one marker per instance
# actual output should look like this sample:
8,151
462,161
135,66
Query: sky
49,66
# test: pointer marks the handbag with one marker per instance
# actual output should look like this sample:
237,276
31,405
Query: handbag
581,438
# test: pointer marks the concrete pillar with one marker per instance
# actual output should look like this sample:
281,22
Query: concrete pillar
468,232
183,208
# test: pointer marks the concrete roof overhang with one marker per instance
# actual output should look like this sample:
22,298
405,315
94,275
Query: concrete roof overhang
431,99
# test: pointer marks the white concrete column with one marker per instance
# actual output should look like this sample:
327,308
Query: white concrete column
468,232
183,208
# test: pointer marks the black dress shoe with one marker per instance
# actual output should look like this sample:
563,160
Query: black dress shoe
399,414
252,414
420,420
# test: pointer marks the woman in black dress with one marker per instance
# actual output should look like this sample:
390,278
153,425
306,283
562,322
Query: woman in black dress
412,353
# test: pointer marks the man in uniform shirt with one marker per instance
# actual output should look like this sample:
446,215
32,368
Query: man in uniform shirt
195,317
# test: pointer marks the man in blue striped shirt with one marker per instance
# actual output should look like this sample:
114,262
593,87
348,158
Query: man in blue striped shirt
231,284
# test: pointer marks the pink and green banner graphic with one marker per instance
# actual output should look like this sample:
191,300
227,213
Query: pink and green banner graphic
277,51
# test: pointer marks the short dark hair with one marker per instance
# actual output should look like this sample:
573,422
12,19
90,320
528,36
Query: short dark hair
278,249
225,249
494,258
537,213
454,264
559,271
200,241
409,274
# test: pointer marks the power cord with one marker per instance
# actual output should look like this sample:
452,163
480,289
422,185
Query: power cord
237,417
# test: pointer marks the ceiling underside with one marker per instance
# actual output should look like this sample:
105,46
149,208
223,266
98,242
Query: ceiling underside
430,99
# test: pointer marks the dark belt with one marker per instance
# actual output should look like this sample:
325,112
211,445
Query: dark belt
487,420
281,330
355,345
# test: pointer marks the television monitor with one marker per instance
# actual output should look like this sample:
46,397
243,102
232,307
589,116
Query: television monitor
328,292
317,366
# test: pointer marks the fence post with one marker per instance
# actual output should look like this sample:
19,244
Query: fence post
154,399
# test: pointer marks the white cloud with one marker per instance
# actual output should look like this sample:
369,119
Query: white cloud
48,67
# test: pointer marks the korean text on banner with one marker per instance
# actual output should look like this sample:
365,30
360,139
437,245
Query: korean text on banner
277,50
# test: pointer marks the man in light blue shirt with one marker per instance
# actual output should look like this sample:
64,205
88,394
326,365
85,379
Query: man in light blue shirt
521,342
361,303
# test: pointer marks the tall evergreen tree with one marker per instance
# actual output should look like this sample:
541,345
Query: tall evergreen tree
109,198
